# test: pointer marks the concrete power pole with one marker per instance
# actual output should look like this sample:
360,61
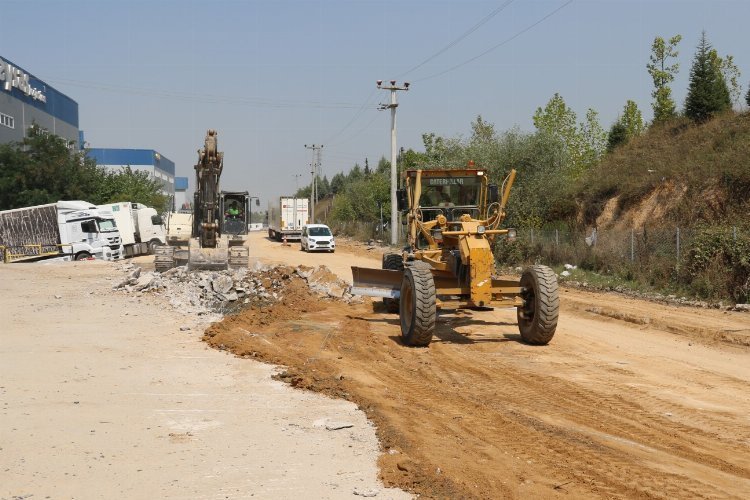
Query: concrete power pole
314,172
394,169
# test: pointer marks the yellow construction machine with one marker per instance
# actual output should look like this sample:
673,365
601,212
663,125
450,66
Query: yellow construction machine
217,239
453,219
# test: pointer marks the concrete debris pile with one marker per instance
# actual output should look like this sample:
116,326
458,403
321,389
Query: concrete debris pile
221,292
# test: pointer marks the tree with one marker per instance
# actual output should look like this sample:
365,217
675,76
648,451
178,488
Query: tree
367,168
731,74
663,74
628,125
126,184
43,168
632,119
618,135
747,96
482,131
708,93
582,143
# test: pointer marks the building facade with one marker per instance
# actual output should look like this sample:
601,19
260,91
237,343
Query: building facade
158,166
181,200
26,100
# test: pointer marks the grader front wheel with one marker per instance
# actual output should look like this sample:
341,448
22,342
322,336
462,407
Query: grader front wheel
417,306
537,318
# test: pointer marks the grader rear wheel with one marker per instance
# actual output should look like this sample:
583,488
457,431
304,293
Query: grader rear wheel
395,262
417,306
537,318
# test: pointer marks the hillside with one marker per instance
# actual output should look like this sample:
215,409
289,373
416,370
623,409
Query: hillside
677,174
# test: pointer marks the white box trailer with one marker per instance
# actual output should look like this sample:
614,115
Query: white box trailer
286,216
141,227
70,229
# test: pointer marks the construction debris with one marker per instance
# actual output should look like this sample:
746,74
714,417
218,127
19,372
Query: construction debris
225,291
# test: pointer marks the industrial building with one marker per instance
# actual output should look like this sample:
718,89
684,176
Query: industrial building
153,162
181,200
25,100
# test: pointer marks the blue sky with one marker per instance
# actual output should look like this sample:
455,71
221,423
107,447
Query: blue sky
272,76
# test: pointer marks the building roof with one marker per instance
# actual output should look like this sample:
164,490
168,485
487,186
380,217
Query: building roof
131,157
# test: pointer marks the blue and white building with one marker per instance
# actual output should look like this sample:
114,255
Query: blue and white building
25,100
157,165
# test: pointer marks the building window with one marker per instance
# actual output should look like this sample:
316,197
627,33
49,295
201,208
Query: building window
7,120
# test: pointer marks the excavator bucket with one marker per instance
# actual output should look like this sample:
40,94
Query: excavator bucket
207,258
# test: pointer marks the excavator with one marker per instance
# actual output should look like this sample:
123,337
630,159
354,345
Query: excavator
209,247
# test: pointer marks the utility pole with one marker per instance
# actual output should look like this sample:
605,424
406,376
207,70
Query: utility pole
314,172
394,170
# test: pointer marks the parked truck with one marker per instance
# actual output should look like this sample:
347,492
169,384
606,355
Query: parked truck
75,230
141,227
286,216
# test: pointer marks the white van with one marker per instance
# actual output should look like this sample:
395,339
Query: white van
317,237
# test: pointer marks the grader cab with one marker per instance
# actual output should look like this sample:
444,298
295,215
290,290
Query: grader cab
453,220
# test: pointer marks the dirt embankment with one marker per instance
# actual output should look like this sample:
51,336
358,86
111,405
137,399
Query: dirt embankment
655,408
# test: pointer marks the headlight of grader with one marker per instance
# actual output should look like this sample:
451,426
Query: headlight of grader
480,229
511,234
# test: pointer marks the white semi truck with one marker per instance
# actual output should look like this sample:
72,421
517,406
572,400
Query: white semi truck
74,230
286,216
141,227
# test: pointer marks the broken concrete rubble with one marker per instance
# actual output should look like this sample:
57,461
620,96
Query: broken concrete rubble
215,293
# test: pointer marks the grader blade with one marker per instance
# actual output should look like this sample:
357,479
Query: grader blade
376,282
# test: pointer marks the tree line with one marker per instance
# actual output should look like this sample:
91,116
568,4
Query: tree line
45,168
561,149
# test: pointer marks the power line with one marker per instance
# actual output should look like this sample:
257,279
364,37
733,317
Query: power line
468,32
507,40
355,117
207,98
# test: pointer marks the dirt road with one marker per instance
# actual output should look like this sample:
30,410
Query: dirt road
631,399
106,395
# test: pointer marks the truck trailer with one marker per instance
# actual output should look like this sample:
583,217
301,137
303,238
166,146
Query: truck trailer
286,217
141,228
74,230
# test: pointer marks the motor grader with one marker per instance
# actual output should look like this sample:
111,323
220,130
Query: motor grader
215,242
453,218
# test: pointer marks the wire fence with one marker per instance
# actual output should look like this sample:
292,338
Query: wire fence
566,246
705,261
632,245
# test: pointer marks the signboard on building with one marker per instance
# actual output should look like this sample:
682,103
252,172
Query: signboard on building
12,77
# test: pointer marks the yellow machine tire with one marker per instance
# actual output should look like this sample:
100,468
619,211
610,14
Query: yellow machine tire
537,318
418,312
395,262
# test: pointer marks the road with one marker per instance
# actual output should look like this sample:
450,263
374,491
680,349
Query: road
631,399
106,395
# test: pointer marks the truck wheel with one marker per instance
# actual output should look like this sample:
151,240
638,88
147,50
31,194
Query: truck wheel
83,256
394,262
537,318
270,234
418,311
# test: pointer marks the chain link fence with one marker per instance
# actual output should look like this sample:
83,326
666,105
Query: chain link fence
708,261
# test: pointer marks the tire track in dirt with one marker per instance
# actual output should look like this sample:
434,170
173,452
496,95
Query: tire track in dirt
469,413
611,408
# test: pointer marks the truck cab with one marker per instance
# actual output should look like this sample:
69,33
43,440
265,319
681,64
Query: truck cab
87,231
